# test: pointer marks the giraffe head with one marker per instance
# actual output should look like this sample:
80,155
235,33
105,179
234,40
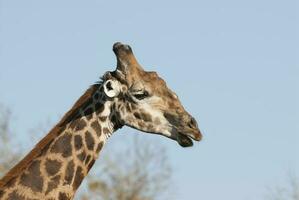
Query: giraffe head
144,102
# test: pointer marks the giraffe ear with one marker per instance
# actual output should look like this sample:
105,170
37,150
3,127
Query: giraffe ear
111,88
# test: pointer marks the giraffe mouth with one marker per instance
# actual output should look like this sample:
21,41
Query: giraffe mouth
185,139
184,129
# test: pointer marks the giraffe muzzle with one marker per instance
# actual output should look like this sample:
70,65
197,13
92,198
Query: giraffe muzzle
184,127
185,137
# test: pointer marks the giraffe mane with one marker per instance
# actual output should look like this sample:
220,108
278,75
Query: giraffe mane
54,132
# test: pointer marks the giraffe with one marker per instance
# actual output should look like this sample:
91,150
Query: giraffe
127,96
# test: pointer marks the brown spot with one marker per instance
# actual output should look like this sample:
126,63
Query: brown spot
32,178
100,146
89,140
78,178
106,131
97,128
15,196
53,183
82,156
99,107
1,193
63,145
103,118
137,115
78,142
88,113
52,166
63,196
78,124
90,164
146,117
69,173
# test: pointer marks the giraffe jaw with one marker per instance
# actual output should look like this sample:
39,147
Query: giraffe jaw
184,138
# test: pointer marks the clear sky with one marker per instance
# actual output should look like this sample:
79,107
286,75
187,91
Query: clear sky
234,65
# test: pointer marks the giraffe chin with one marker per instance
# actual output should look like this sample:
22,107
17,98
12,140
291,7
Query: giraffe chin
184,141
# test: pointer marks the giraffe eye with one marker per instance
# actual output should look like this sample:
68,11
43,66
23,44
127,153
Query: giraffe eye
141,95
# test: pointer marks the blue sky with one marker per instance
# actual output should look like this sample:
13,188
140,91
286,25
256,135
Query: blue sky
234,65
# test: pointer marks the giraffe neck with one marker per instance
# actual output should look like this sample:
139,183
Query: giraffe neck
65,160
